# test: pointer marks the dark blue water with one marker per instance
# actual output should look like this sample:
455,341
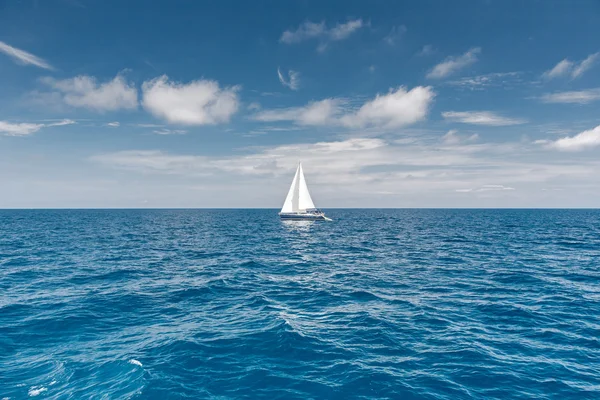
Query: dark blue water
398,304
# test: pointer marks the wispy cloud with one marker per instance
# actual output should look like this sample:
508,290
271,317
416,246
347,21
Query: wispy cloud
578,96
452,137
24,129
294,79
312,30
488,118
165,131
395,35
452,65
486,188
585,65
581,141
362,168
200,102
571,68
427,50
114,124
396,108
85,92
482,82
23,57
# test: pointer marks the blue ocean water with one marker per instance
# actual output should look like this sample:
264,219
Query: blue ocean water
397,304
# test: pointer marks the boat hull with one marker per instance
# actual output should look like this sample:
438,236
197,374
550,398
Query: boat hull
302,217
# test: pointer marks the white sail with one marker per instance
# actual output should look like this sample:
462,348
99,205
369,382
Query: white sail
291,201
298,198
304,200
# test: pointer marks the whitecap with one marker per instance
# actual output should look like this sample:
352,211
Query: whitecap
36,390
135,362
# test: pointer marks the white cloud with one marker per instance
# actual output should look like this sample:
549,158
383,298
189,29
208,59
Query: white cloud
585,65
200,102
114,124
418,172
395,35
307,30
323,112
85,92
24,129
165,131
453,138
578,96
453,64
23,57
311,30
560,69
481,118
294,81
570,68
584,140
397,108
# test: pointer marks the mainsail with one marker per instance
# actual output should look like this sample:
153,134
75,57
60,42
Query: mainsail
298,198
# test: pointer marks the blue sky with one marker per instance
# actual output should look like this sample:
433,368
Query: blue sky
387,104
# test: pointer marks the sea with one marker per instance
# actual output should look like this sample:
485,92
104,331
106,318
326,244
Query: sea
237,304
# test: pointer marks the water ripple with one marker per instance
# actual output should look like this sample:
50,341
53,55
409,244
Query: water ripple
411,304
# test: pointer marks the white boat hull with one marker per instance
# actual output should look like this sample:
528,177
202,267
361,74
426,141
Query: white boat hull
303,217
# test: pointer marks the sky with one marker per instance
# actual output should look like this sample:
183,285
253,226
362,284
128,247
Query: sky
136,104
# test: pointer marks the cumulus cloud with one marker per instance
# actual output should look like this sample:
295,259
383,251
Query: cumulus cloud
577,96
294,79
23,57
481,118
311,30
200,102
24,129
582,141
396,108
453,64
85,92
571,68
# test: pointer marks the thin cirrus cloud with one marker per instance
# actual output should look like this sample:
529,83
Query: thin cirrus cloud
165,131
570,68
294,79
396,108
487,118
24,129
312,30
86,92
200,102
452,137
581,141
23,57
486,188
577,96
454,64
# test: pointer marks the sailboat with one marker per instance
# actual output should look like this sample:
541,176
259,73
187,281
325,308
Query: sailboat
298,203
